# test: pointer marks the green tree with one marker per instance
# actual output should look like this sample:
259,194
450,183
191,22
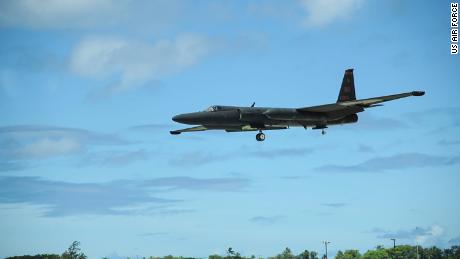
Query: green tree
376,254
304,255
348,254
73,252
230,251
287,254
313,255
37,256
339,255
215,257
231,254
403,252
452,253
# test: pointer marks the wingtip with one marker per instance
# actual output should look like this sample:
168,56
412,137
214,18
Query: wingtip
418,93
174,132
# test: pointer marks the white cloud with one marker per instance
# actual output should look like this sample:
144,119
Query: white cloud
431,237
48,147
122,197
58,13
264,220
145,16
37,142
97,57
323,12
136,63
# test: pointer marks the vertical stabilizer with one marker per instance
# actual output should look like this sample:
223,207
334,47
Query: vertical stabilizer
347,90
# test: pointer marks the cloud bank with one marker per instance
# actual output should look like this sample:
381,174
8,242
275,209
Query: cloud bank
132,64
335,205
27,145
198,158
59,198
422,236
50,13
26,142
395,162
322,12
266,220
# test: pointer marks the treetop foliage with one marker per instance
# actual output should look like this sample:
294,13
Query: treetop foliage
399,252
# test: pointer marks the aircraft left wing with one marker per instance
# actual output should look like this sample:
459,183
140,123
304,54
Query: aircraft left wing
366,103
357,105
197,128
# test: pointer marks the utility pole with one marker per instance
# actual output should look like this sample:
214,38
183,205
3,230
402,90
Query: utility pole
325,244
394,243
417,250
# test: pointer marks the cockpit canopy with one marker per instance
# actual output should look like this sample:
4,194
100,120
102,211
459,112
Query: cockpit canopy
213,108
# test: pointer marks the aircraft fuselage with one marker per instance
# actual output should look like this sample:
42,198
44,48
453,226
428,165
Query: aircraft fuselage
260,118
233,118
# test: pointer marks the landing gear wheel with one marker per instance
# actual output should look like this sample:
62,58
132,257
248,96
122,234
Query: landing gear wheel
323,132
260,136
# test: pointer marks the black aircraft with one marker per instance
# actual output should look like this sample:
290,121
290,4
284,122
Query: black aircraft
237,119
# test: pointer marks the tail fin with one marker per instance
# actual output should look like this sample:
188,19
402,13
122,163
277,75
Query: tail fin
347,90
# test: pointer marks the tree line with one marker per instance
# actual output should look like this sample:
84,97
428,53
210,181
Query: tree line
398,252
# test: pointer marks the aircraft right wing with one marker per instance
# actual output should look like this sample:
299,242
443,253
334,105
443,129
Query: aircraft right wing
253,128
228,129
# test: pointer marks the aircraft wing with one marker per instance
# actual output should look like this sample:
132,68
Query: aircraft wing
228,128
197,128
357,105
372,101
253,128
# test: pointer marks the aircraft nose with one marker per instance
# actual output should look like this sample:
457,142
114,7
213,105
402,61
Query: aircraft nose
189,118
179,118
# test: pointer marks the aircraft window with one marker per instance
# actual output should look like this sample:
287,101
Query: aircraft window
211,109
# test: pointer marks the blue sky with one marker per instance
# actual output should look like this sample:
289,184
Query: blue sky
88,89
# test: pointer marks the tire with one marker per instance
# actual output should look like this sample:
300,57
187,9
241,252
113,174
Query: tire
260,137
